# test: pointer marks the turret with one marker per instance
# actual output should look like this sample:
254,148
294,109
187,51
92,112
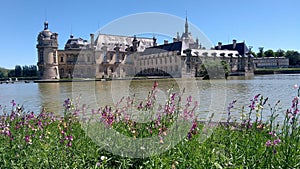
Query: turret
47,54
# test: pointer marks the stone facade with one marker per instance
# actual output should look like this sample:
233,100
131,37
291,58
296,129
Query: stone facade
115,56
47,54
271,62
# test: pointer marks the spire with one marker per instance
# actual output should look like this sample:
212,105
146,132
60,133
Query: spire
186,24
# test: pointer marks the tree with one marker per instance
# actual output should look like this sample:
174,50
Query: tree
294,57
280,53
261,52
11,73
18,71
25,71
269,53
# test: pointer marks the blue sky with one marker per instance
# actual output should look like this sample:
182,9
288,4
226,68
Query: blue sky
273,24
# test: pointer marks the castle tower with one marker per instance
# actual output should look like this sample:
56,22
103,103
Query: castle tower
47,54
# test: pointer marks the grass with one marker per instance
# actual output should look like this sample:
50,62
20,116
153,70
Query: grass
85,138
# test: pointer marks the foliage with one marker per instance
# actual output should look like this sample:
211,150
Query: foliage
3,72
294,57
280,53
261,52
18,71
44,140
214,69
269,53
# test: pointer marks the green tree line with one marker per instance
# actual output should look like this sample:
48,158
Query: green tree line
19,71
292,55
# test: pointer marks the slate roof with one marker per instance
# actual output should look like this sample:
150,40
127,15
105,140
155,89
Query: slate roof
240,47
175,46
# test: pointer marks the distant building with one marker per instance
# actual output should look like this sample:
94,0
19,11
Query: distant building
122,56
271,62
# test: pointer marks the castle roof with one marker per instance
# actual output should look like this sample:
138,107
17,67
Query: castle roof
175,46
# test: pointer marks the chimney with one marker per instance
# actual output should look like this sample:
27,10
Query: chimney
92,39
219,45
154,41
166,42
233,43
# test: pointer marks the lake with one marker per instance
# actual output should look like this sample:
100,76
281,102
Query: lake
212,95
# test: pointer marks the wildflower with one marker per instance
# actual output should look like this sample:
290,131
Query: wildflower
13,103
189,99
98,164
27,139
71,138
103,158
230,106
272,133
67,104
268,143
276,142
295,86
161,141
69,144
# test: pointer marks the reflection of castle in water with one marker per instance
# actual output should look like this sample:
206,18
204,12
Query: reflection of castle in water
121,56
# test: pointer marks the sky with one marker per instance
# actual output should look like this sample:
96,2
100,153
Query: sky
272,24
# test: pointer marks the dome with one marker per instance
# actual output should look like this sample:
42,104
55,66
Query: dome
46,33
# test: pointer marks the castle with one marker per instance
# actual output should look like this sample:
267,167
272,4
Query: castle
115,56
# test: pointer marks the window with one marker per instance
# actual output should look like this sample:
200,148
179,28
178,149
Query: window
170,59
160,60
41,57
62,71
111,56
54,59
176,68
88,58
61,59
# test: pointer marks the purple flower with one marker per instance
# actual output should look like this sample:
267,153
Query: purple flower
27,139
277,141
230,106
189,99
13,103
67,103
69,144
71,138
268,143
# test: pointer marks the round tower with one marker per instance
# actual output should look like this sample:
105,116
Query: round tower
47,54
